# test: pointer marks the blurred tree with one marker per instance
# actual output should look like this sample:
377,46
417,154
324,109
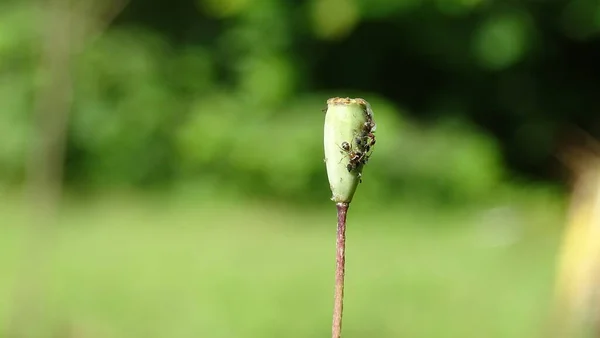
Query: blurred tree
213,90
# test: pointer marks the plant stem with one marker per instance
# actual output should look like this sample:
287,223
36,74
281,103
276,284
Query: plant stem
340,269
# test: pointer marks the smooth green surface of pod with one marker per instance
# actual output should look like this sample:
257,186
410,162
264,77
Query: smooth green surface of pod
345,120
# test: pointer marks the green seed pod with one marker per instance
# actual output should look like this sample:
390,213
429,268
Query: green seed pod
348,141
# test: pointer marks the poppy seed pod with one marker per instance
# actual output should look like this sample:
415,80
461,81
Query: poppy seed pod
348,143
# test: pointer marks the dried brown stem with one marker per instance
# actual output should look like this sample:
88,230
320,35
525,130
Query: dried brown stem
340,270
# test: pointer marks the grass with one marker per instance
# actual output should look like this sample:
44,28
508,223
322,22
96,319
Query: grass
127,269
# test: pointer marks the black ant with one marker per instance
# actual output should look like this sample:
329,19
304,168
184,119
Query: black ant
371,137
369,126
357,158
347,148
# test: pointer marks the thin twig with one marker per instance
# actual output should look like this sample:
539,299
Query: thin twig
340,270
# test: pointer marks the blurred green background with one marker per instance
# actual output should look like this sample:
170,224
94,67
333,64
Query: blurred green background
175,151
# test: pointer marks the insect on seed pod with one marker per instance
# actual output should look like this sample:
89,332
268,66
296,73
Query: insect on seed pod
346,120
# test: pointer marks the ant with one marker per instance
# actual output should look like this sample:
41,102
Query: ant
369,126
354,155
347,148
368,129
371,138
356,158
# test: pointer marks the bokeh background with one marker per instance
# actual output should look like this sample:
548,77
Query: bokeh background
162,175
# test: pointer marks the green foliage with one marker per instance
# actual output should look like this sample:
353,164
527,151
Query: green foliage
121,106
334,18
240,106
503,39
581,19
17,38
